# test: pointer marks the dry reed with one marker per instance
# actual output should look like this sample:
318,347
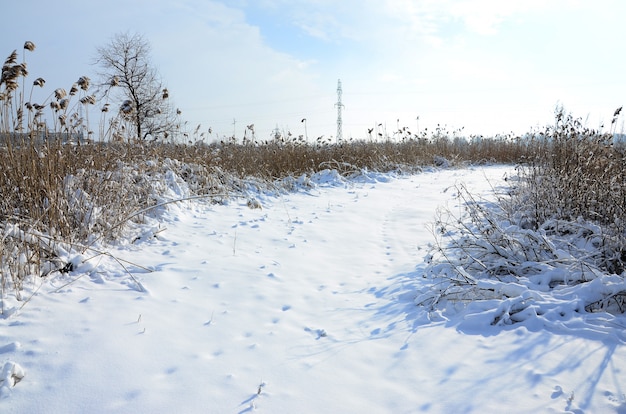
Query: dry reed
60,190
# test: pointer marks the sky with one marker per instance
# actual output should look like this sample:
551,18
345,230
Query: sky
481,67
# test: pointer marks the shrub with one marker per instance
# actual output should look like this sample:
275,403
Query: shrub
550,250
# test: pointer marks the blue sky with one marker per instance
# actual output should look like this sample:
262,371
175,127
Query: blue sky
487,66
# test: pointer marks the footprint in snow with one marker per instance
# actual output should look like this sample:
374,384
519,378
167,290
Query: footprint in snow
12,347
321,333
558,391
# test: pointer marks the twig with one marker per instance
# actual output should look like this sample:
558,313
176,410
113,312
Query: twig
67,284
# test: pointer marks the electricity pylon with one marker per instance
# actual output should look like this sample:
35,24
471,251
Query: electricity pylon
339,105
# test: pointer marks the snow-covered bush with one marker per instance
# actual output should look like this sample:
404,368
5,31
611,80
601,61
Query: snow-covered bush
549,251
487,270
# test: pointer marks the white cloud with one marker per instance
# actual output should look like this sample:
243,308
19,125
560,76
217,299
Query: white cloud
450,61
225,71
430,17
486,16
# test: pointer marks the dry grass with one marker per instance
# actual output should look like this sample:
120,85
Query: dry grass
562,222
61,192
576,174
60,197
507,274
278,158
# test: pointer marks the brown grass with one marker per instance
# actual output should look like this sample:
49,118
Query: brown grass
59,191
576,174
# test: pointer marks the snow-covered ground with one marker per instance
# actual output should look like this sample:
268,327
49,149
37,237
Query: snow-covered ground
306,305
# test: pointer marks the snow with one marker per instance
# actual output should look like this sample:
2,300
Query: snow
297,302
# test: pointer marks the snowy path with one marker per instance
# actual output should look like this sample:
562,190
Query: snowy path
304,306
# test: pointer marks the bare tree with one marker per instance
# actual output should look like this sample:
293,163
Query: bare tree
130,79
